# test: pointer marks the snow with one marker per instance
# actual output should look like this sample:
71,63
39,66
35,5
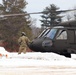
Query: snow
35,62
34,59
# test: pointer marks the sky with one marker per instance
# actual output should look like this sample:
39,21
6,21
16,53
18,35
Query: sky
39,5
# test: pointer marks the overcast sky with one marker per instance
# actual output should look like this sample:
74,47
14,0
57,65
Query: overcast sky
39,5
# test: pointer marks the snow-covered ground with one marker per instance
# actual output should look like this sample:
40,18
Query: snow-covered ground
36,63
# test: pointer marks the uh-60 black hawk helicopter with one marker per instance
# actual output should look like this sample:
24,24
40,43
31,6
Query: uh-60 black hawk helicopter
60,39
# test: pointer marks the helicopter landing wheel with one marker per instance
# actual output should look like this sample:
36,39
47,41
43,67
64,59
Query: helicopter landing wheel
66,54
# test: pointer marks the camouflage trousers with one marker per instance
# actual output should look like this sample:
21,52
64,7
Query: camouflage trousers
22,49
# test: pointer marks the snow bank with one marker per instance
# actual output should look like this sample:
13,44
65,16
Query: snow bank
2,50
45,56
35,59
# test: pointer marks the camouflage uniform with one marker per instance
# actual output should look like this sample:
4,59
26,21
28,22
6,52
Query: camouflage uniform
23,41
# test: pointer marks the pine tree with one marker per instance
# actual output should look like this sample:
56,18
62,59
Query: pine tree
50,16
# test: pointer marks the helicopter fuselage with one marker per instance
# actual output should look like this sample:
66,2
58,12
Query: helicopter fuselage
59,39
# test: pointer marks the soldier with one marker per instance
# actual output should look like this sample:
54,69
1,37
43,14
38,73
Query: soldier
23,41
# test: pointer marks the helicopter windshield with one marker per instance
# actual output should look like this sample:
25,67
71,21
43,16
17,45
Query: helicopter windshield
51,33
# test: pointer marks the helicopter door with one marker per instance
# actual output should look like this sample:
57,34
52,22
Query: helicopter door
71,40
71,36
61,40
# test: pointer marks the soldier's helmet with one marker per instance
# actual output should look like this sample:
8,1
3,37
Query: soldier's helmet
23,33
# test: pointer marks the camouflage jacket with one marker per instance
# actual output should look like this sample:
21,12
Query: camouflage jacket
23,41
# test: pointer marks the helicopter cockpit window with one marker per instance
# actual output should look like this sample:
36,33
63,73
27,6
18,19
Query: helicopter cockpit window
51,33
62,34
44,33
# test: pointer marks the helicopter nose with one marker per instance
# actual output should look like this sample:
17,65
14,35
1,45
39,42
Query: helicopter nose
36,45
33,46
41,44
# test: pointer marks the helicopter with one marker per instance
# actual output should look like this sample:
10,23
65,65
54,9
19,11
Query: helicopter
60,39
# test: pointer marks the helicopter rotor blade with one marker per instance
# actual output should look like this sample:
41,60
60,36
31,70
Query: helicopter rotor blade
63,11
20,14
24,14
